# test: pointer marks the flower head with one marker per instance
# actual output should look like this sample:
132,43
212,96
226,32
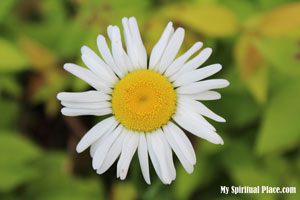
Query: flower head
148,106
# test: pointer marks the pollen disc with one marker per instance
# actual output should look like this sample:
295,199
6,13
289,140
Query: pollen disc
143,100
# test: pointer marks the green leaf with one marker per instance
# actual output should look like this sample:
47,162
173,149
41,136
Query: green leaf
245,170
12,59
242,166
5,8
10,110
267,4
16,156
54,11
212,20
242,8
57,182
9,84
8,196
280,129
281,170
129,6
281,53
186,184
71,39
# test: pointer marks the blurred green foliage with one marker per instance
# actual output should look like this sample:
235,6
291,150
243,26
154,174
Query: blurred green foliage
258,44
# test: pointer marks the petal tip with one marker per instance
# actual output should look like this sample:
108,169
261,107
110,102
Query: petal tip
222,120
59,96
210,50
79,148
95,164
221,141
83,49
198,44
132,18
124,19
218,66
100,37
63,111
180,30
67,66
227,83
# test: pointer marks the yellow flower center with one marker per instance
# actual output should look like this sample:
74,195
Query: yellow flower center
143,100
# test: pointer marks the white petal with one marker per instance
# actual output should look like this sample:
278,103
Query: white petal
183,142
94,146
193,63
199,59
179,62
143,157
171,50
79,112
128,150
130,46
160,46
197,75
80,97
120,57
168,154
125,141
109,31
139,46
102,150
159,150
200,108
112,153
192,125
96,132
200,119
184,161
153,157
202,86
106,55
87,105
96,64
87,76
99,71
205,96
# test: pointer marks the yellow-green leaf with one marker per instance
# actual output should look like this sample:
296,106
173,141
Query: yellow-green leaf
212,20
281,21
252,67
124,191
12,59
258,83
40,57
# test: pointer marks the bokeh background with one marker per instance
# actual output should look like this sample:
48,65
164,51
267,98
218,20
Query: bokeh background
256,41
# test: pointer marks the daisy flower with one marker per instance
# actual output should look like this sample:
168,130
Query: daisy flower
148,105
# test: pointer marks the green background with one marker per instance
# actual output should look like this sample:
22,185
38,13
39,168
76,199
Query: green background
256,41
